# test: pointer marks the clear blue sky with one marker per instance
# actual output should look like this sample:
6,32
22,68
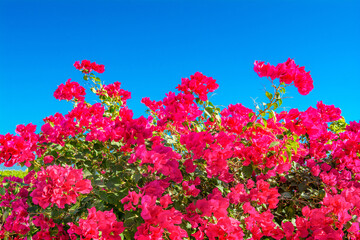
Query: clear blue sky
150,45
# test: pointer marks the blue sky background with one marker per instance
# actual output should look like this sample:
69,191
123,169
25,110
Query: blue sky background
150,45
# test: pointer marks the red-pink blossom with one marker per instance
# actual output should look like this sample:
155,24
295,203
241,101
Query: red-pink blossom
114,91
288,72
98,225
70,90
86,66
199,84
59,185
19,149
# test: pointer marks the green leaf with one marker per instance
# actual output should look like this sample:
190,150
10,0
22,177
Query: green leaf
247,170
249,124
55,212
268,95
2,191
276,105
113,199
289,153
198,101
302,186
321,194
286,195
251,115
305,195
58,147
207,112
130,218
271,114
270,153
6,184
113,182
221,188
209,109
93,90
290,211
265,122
103,196
218,118
137,177
273,144
5,215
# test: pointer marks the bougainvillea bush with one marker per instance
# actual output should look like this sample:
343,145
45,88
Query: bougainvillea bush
189,170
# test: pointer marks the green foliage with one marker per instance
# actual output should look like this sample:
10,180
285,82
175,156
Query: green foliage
12,173
338,126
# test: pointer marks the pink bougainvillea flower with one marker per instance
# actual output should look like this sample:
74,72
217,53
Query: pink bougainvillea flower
19,149
59,185
86,66
288,72
70,90
114,91
199,84
97,225
48,159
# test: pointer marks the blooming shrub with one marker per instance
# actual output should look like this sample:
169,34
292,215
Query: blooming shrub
189,170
